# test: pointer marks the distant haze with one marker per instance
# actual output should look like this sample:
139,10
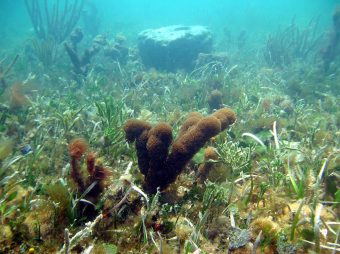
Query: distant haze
257,17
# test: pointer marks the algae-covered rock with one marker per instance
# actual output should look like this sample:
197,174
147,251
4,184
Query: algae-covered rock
204,59
38,223
173,47
219,173
218,227
6,148
268,227
286,248
6,234
182,229
20,194
238,238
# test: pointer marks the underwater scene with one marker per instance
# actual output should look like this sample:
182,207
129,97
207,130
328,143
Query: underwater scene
170,126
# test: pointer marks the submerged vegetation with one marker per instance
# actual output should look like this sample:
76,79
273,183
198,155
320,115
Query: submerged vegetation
89,164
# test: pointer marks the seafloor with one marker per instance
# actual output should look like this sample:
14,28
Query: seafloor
269,183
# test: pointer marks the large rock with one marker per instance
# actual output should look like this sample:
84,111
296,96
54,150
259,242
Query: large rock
173,47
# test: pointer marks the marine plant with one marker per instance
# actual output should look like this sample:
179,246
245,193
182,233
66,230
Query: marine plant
18,99
291,43
67,120
160,167
331,51
4,72
117,51
55,20
7,207
112,115
45,50
81,62
93,185
210,157
29,163
215,100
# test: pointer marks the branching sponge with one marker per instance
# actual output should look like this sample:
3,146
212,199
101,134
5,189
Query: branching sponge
160,159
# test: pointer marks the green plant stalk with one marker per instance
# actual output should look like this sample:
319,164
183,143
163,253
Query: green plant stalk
317,228
246,201
296,220
297,188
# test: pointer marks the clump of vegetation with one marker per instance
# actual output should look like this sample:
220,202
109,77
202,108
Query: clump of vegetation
92,187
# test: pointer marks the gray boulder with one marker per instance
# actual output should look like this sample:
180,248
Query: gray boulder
173,47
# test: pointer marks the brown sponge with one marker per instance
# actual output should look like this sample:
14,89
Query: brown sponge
77,148
133,129
187,145
215,100
153,144
205,168
95,179
159,141
137,130
192,119
226,116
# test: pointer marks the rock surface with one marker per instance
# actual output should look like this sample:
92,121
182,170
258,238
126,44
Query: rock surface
173,47
219,57
238,238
